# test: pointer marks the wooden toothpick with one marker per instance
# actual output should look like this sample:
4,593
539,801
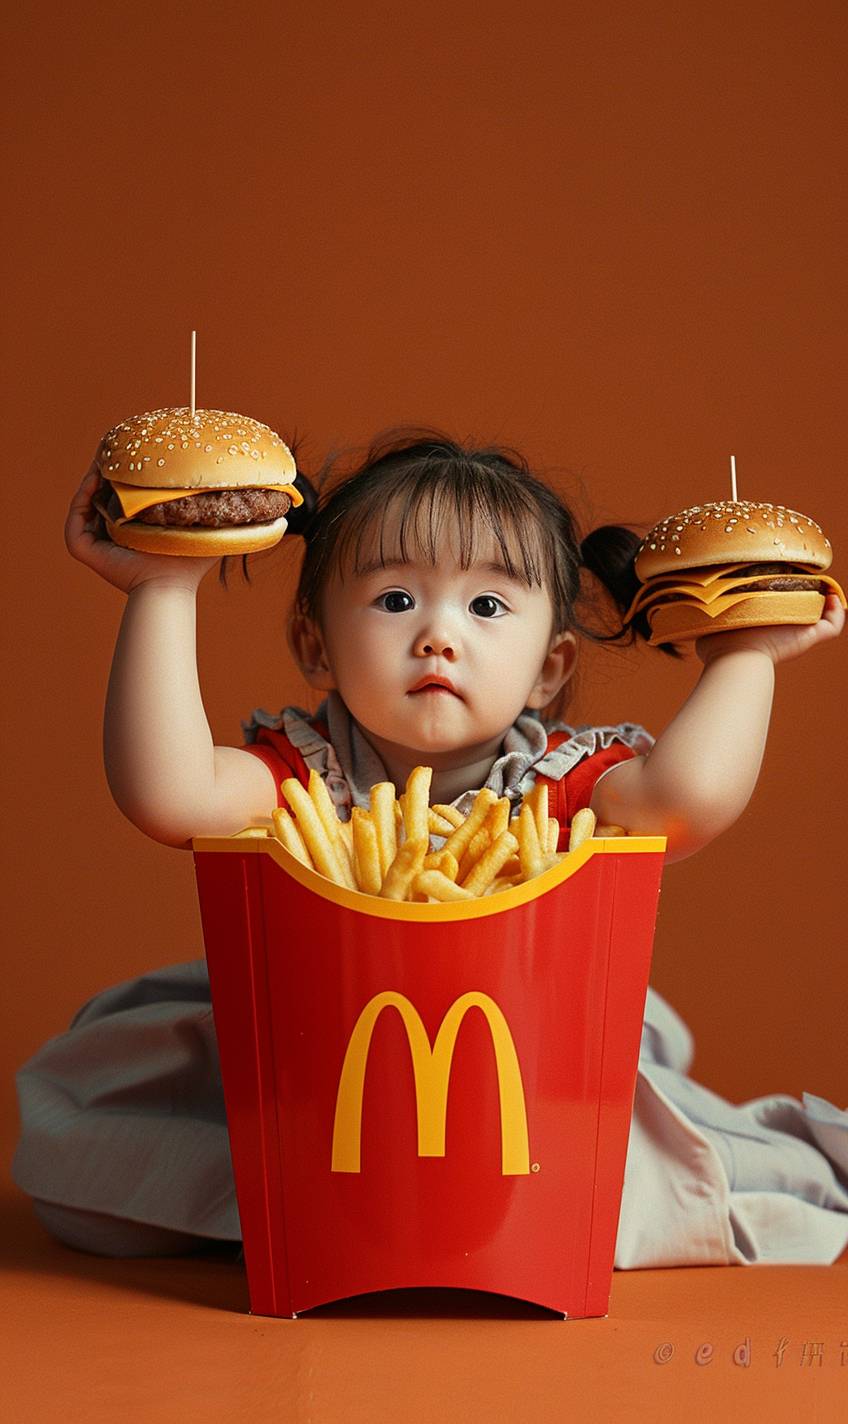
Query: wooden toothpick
193,367
733,477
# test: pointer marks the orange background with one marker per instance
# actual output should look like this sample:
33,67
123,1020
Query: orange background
604,234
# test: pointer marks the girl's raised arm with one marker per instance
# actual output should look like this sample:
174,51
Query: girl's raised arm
162,767
164,771
699,776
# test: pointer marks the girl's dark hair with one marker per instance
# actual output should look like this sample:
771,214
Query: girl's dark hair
436,482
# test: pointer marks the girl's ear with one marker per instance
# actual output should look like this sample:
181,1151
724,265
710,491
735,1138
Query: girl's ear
557,668
307,647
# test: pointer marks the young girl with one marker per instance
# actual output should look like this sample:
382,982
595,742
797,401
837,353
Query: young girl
437,613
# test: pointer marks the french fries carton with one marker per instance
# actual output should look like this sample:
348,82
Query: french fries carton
428,1094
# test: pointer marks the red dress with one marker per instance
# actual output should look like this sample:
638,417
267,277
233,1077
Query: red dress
566,796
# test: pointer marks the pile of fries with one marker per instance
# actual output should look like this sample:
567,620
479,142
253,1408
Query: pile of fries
387,851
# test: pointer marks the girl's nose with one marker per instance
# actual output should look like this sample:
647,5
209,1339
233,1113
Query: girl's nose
435,645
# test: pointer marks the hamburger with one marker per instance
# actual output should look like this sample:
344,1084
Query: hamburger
736,564
208,482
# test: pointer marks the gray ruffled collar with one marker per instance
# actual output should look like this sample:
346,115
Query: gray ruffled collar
350,766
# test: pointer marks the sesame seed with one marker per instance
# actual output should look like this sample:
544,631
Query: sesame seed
160,462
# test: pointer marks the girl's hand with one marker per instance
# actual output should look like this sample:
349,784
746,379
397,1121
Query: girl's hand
87,541
778,643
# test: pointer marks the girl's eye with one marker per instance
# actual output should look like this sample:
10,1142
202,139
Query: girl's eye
396,601
487,606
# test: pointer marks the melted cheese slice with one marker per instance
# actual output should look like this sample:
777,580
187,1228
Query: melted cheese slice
705,594
134,500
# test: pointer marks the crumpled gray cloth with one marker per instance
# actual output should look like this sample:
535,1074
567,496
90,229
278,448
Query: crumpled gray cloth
350,766
123,1122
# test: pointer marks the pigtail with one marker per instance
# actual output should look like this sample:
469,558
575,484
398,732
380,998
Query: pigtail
299,520
610,553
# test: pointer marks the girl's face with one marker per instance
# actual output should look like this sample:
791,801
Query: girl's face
437,660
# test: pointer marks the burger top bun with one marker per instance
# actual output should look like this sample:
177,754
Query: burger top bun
729,533
173,449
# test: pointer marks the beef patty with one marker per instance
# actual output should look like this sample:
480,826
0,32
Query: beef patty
211,509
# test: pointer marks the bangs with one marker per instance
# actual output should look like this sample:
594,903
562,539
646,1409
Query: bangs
480,515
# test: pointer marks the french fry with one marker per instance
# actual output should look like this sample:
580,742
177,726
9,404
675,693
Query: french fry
606,831
290,836
497,818
442,860
416,803
490,862
480,842
404,868
459,842
322,801
366,852
383,811
537,799
434,884
386,851
502,882
438,825
321,848
449,813
529,850
582,828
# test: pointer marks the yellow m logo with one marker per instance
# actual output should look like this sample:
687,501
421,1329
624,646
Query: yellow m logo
431,1068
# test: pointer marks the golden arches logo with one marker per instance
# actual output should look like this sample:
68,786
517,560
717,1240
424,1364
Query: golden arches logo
431,1069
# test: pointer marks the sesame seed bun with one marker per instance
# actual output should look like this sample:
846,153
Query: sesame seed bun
729,533
212,449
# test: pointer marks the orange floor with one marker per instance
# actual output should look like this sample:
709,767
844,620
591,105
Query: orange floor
160,1340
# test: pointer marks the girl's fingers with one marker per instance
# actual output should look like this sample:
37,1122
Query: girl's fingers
82,497
81,524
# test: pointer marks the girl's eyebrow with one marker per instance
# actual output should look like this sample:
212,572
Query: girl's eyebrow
490,566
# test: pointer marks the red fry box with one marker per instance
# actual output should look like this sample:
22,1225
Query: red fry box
423,1094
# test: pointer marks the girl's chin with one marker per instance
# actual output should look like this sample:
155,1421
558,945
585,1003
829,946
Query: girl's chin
430,745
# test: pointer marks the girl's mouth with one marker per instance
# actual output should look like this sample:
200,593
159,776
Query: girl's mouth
432,683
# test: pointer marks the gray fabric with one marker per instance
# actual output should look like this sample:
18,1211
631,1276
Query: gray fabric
104,1235
123,1118
350,766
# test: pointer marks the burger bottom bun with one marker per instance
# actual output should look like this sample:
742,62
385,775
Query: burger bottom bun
675,622
193,542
